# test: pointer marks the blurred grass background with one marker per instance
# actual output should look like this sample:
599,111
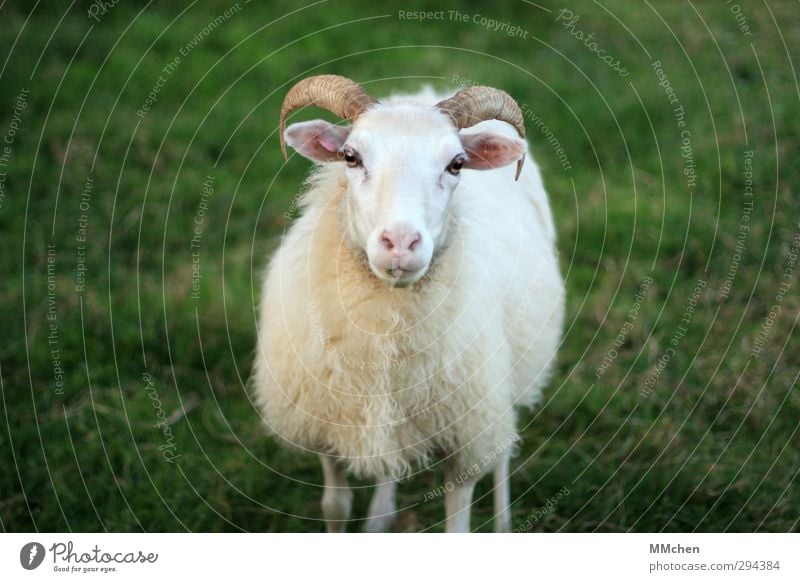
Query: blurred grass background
714,447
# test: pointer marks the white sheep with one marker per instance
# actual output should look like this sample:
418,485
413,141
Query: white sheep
416,302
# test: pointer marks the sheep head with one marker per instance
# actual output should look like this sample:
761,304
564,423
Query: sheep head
402,163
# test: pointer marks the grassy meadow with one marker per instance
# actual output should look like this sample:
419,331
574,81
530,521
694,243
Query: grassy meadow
142,191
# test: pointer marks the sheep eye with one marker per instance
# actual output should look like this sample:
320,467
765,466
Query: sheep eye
455,166
350,157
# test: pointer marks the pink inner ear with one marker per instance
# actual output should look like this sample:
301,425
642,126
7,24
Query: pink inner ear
317,140
328,141
487,150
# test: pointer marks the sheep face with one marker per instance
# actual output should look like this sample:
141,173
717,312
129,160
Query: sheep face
401,166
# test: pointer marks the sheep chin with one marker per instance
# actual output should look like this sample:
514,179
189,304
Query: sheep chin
400,283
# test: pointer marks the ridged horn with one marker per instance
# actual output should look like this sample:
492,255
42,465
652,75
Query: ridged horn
475,104
341,96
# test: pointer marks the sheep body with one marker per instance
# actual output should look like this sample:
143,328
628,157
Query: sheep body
384,378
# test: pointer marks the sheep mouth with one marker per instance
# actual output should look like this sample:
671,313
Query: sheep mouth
396,277
396,272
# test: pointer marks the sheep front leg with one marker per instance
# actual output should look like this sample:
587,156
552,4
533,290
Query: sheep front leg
502,496
458,504
337,499
381,508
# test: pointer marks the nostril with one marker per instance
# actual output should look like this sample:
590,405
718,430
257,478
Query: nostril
400,242
386,241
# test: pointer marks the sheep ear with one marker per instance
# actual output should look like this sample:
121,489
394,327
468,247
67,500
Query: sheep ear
317,140
491,150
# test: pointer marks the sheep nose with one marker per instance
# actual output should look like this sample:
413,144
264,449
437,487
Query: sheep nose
400,240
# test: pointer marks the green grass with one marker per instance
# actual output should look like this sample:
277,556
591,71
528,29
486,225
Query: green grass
715,445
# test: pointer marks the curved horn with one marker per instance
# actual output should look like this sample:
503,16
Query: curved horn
475,104
339,95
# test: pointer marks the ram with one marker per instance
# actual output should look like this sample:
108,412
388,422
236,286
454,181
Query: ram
416,303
